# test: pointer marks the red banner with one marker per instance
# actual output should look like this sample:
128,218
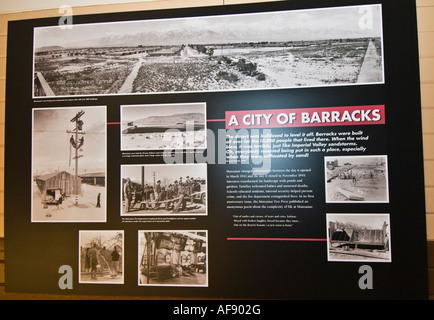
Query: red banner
306,117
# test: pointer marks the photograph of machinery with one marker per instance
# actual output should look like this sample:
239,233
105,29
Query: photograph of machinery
173,258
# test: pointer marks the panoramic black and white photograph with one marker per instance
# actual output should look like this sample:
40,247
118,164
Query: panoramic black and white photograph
359,237
168,189
163,126
250,51
356,179
101,256
173,258
69,164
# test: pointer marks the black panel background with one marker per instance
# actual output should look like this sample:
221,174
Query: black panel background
300,270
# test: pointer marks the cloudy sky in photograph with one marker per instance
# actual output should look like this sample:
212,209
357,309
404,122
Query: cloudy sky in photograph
359,160
136,112
373,221
107,237
312,24
51,147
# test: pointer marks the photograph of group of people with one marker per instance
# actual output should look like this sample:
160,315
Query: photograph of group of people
164,189
165,257
101,256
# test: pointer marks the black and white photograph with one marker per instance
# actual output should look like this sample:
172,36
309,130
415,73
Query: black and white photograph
359,237
268,50
101,256
163,126
356,179
69,164
173,258
168,189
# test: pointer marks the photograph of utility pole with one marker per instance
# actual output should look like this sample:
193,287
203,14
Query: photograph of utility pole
69,164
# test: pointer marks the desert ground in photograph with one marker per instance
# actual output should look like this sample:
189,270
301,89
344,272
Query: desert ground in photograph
212,67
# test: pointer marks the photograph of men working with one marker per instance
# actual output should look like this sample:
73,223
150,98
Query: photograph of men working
164,189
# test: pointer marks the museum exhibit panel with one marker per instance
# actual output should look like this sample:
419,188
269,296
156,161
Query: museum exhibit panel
267,150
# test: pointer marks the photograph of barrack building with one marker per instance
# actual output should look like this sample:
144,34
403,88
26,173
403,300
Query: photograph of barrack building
69,164
359,237
163,126
272,50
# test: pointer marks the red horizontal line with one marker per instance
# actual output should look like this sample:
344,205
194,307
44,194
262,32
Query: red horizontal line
276,239
113,123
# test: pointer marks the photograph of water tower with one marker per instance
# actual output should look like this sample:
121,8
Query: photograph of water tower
69,164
